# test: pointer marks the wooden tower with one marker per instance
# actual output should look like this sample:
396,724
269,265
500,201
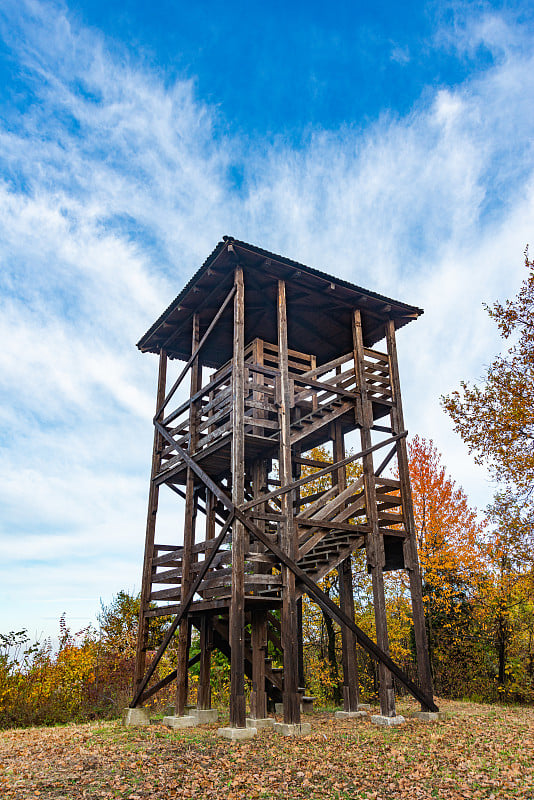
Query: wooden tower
281,358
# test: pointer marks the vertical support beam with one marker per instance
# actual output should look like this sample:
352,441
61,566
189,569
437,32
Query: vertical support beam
346,594
258,695
374,540
153,496
237,604
410,543
206,645
184,635
258,625
288,541
211,502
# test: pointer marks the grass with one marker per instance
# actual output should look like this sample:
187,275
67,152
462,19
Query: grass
478,751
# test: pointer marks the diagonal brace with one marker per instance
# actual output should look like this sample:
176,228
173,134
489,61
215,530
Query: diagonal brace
184,608
194,355
310,587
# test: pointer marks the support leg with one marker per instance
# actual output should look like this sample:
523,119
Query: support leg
258,696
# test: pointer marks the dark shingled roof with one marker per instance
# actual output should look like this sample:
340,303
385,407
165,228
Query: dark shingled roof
319,307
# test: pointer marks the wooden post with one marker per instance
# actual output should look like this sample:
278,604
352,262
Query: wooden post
258,695
346,594
374,540
206,644
410,543
237,605
184,635
288,541
153,496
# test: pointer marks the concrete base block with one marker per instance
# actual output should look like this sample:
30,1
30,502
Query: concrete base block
292,730
205,716
237,734
350,714
430,716
135,717
279,708
180,722
378,719
264,722
364,707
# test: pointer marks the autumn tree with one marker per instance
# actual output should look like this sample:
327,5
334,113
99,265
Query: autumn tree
450,542
496,418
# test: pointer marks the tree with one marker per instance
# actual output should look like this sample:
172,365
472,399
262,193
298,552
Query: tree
450,542
496,419
506,599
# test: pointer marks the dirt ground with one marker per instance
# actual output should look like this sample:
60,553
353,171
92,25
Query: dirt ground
478,751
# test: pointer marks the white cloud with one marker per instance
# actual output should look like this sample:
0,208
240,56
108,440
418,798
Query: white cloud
116,187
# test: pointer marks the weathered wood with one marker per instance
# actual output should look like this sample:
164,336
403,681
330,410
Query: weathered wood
142,635
288,533
258,696
206,644
410,543
322,599
184,636
209,387
166,681
374,542
326,471
184,608
195,350
346,596
237,606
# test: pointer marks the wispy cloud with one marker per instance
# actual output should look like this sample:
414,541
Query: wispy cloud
116,184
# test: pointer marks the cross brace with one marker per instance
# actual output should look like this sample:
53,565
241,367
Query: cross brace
309,586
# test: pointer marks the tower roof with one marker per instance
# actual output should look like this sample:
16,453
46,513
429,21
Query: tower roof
318,305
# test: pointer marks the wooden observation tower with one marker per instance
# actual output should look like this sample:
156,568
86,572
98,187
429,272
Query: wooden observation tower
281,358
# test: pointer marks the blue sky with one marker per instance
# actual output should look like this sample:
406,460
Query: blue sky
389,144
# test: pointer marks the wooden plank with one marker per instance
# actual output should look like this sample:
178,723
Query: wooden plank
328,367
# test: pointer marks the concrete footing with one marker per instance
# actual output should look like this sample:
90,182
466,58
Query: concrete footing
364,707
135,717
279,708
430,716
350,714
180,722
378,719
205,716
264,722
237,734
303,729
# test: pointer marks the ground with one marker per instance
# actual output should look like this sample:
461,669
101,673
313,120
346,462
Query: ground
479,751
